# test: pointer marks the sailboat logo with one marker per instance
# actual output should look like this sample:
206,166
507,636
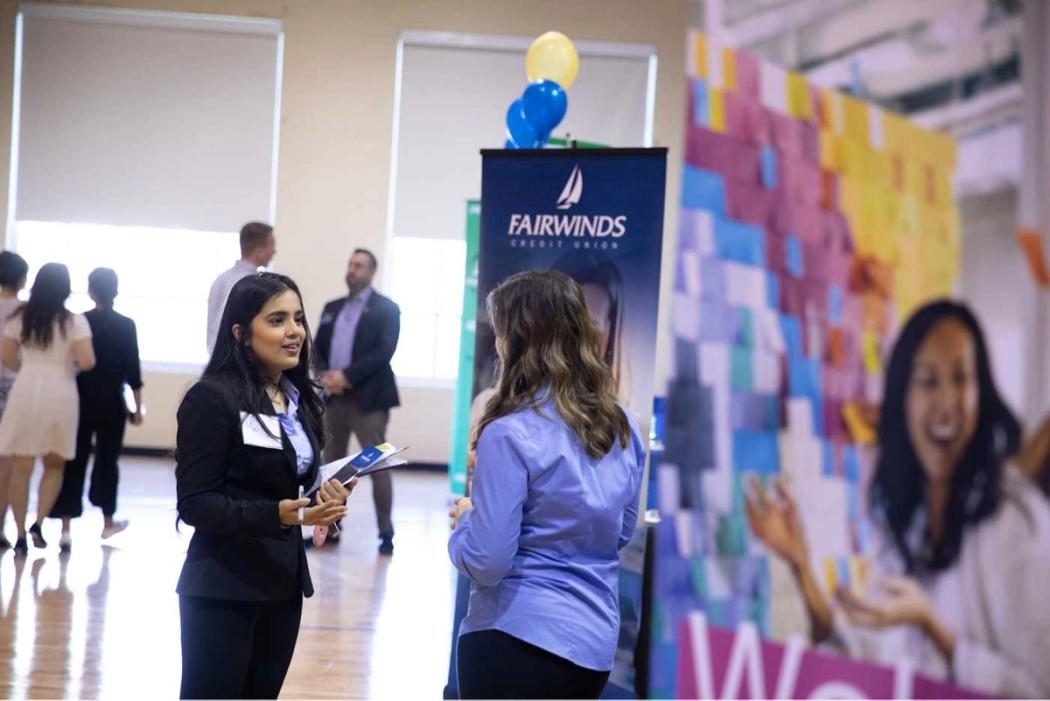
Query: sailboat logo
570,194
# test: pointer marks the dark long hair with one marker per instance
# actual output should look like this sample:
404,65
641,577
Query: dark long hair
46,305
551,342
1043,476
233,358
898,488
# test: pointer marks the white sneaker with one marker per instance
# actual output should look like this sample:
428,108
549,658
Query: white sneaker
117,527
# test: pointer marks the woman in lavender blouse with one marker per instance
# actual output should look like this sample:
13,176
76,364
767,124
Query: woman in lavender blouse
555,498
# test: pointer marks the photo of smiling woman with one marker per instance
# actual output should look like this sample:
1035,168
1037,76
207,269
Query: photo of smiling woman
603,294
249,437
962,555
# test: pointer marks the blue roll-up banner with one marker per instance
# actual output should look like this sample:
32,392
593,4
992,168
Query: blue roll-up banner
598,216
595,214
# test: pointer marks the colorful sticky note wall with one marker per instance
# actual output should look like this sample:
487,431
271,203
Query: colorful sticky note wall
812,223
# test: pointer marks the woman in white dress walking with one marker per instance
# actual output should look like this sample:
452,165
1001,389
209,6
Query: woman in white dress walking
40,419
13,271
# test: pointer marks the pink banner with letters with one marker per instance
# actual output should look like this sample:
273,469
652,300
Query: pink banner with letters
739,664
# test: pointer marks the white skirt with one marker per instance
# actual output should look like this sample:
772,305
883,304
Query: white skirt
41,413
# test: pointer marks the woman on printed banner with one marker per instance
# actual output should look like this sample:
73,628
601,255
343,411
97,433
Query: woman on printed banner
962,555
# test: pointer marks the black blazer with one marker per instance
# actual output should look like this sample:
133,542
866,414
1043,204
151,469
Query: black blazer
115,340
369,374
228,492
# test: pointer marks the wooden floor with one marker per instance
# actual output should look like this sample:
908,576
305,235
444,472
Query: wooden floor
102,621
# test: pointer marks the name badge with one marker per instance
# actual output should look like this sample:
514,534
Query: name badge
254,431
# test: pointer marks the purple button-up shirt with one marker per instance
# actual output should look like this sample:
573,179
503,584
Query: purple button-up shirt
345,328
293,428
542,543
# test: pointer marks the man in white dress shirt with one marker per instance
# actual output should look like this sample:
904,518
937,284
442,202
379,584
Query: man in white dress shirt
258,247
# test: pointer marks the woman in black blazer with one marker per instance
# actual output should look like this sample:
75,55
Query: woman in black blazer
249,440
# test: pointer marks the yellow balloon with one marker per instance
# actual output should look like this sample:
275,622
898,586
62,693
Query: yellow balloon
552,57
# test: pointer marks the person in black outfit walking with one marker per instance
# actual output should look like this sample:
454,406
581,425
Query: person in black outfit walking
103,412
249,437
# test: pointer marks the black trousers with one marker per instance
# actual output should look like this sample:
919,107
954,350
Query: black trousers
494,665
104,421
236,649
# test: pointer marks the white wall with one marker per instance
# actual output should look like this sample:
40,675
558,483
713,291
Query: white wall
997,283
336,120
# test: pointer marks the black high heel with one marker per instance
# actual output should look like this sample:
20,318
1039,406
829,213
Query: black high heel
5,544
21,547
38,536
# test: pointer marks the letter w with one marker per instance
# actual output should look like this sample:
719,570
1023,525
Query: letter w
746,655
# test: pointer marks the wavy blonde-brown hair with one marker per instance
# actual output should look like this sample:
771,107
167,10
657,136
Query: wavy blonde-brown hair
549,350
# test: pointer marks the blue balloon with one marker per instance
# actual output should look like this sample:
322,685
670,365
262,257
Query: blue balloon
520,131
509,143
544,103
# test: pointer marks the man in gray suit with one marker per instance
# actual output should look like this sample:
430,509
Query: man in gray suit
354,343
